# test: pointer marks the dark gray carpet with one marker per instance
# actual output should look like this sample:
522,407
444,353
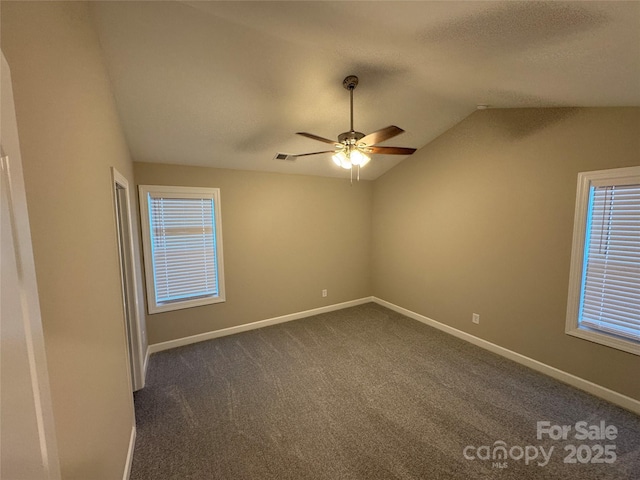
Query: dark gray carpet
361,393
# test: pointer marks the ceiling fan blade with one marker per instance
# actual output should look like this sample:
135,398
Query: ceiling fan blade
380,135
314,153
390,150
315,137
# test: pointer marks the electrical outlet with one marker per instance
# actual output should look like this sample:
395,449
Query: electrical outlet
475,318
324,292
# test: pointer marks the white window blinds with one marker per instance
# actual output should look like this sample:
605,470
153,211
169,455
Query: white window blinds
183,243
610,298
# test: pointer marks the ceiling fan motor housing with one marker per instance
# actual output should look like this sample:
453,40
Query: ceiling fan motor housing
350,137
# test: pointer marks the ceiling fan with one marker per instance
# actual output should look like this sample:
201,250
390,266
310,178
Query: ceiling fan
353,148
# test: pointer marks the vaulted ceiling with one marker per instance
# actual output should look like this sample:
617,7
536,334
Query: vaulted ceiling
227,84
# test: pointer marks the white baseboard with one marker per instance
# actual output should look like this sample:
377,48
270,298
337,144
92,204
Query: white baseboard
179,342
590,387
146,362
129,461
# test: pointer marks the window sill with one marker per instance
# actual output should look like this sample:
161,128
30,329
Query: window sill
603,339
168,307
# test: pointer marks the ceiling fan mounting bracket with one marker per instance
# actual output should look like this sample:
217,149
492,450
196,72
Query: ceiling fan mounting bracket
350,83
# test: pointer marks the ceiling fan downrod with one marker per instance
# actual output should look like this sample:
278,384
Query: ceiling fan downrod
350,83
351,137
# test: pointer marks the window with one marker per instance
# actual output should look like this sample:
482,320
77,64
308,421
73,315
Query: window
604,288
182,239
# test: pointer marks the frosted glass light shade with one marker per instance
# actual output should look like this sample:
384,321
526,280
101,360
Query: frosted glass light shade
341,160
359,158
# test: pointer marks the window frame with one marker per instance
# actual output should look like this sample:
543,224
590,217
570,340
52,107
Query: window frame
179,192
598,178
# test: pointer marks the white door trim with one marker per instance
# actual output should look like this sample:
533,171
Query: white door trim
127,265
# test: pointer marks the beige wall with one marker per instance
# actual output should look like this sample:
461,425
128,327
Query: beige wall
481,220
70,137
286,237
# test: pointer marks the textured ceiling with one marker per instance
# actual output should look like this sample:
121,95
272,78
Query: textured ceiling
227,84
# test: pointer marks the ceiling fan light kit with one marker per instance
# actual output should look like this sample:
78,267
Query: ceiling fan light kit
353,149
349,160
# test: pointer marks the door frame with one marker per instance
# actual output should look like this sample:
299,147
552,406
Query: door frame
129,281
